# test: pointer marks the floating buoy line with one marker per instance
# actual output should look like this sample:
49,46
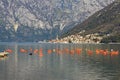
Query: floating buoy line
76,51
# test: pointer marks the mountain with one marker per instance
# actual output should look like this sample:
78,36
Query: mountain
105,22
43,19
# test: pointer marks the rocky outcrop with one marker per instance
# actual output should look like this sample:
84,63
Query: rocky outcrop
106,22
43,18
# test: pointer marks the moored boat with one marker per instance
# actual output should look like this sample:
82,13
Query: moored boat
3,54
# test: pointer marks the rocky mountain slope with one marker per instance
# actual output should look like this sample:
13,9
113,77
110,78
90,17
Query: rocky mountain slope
43,19
105,22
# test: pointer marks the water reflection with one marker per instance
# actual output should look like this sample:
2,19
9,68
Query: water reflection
60,62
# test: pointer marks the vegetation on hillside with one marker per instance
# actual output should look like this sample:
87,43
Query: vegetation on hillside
104,22
111,39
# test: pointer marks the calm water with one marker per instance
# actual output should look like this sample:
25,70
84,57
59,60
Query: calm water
62,66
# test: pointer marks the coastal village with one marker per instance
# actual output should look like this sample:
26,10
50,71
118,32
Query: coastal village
78,38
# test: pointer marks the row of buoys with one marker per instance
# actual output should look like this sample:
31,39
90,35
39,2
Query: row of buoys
65,50
107,52
58,51
71,51
50,51
104,52
31,51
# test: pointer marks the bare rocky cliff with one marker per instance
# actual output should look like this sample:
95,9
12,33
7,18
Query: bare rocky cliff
43,19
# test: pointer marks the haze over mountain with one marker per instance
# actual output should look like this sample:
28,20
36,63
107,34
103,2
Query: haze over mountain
105,22
43,19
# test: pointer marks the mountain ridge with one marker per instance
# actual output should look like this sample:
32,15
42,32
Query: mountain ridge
105,22
43,19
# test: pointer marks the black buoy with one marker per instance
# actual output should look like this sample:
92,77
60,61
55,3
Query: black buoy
30,53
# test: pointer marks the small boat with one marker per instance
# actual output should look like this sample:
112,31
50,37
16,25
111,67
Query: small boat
3,54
